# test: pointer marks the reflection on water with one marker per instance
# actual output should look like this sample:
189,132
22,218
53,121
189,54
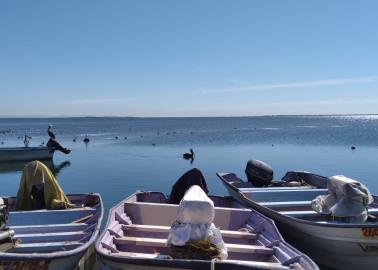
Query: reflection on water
17,166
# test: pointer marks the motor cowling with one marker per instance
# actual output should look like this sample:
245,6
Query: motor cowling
259,173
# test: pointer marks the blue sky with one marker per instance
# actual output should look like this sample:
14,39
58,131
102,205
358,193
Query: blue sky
188,58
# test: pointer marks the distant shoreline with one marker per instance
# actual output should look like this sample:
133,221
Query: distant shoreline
162,117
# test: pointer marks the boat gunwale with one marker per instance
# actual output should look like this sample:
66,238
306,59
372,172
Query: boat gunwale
182,263
60,254
25,148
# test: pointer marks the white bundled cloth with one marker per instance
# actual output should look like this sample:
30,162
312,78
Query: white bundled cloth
195,215
346,198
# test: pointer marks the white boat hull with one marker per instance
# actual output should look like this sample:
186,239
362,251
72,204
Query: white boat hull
340,248
25,153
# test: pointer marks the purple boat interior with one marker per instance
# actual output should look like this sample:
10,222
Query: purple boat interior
138,228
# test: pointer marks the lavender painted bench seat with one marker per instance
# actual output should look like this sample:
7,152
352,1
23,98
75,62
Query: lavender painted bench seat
165,229
140,213
157,242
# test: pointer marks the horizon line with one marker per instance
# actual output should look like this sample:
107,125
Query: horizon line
218,116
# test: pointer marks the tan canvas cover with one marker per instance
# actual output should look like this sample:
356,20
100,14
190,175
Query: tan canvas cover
36,173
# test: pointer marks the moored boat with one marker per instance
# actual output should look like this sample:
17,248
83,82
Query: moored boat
328,240
136,233
25,153
50,239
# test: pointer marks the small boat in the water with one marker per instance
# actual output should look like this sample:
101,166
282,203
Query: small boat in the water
25,153
138,228
49,239
330,240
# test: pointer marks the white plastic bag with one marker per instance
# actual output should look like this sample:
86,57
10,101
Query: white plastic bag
195,215
346,198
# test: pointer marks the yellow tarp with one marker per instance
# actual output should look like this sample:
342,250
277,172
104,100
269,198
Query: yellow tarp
36,173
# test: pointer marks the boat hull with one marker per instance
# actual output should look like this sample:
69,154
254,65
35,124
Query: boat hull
135,237
53,239
63,263
25,153
130,264
338,247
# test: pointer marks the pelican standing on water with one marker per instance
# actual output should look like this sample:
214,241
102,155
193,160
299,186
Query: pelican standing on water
189,155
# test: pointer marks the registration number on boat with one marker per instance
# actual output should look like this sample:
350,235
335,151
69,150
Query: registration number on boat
369,232
24,265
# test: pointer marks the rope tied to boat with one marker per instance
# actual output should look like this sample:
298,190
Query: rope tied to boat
212,263
7,240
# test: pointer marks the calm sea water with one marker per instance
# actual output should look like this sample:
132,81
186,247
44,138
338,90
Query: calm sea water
148,152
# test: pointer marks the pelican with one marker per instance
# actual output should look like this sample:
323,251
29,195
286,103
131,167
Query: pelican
189,155
51,132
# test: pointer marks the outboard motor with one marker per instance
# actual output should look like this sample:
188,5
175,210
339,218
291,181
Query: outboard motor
259,173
